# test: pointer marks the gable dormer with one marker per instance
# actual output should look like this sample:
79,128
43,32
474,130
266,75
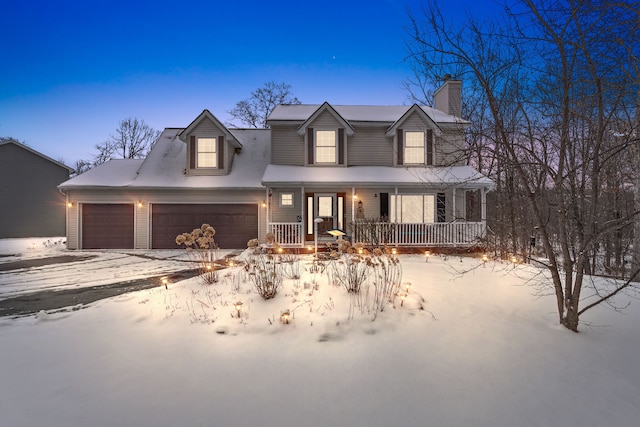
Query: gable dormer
325,133
210,146
413,138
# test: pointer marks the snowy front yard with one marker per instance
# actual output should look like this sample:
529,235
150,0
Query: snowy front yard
476,350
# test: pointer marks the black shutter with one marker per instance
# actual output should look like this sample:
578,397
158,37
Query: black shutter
221,152
429,146
192,152
310,145
384,206
341,146
441,207
400,147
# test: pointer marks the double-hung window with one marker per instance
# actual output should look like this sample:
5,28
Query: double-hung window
207,153
325,146
414,148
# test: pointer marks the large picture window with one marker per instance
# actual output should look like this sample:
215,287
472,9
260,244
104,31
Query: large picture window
325,146
207,153
412,208
414,148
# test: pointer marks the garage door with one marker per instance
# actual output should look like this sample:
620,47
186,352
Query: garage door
107,226
235,224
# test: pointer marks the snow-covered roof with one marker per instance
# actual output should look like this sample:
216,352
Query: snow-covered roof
113,173
164,166
358,113
374,176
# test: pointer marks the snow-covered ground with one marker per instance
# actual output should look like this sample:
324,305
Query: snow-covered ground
481,349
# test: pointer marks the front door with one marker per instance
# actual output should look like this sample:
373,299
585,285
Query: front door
329,207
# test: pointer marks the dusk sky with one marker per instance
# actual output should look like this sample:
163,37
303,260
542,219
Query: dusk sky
73,69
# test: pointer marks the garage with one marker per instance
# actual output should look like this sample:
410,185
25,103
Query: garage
107,226
235,224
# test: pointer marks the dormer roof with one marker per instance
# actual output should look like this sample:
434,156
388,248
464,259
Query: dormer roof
415,108
206,114
328,108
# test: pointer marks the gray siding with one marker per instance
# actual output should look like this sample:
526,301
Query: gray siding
31,204
287,147
369,146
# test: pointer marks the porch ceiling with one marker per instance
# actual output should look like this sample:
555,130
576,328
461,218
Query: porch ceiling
374,176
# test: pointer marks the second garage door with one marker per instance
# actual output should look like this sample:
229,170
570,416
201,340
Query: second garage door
235,224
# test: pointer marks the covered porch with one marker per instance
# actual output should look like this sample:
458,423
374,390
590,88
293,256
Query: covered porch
435,207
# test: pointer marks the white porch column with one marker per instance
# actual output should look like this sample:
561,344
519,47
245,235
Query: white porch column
453,204
483,198
353,204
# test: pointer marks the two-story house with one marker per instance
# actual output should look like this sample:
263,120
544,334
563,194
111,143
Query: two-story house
383,174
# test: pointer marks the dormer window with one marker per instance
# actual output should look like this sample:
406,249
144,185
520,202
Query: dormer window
414,148
206,153
325,146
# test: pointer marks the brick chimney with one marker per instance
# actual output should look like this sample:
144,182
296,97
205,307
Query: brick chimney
448,97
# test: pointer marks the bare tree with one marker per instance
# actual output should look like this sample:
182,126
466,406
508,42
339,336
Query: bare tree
132,140
253,111
551,85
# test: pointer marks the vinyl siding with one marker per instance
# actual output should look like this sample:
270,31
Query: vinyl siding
369,146
287,147
31,204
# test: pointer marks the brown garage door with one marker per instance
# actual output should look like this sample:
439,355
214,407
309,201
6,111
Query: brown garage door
235,224
107,226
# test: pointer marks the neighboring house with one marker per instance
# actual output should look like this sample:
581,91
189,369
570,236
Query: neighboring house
31,204
391,175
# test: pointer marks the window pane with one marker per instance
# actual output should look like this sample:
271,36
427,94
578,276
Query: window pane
310,217
429,208
414,139
286,199
411,208
340,212
207,160
206,145
325,154
325,206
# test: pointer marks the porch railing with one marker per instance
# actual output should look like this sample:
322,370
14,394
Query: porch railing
287,233
455,234
459,234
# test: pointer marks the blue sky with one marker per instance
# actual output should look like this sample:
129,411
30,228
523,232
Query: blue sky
73,69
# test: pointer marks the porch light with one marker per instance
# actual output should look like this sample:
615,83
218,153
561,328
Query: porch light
355,197
284,316
140,203
70,204
238,307
264,204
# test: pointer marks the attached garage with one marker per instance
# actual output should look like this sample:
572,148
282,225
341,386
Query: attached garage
235,224
107,226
